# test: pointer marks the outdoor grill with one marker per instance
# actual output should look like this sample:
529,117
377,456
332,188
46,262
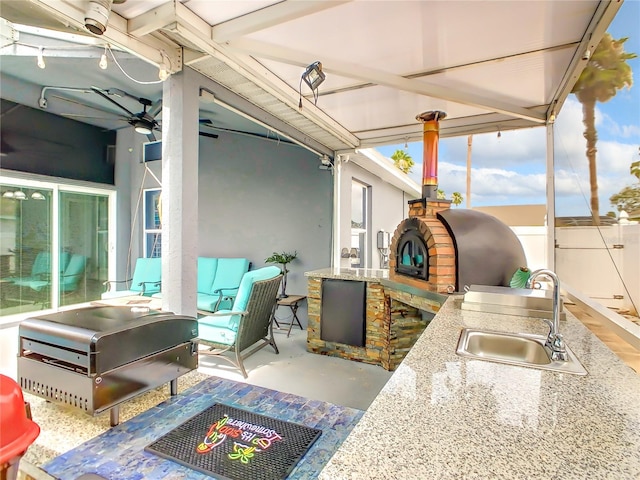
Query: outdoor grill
98,357
445,250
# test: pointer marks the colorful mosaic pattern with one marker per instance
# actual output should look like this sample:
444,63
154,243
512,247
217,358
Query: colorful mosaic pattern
119,454
237,444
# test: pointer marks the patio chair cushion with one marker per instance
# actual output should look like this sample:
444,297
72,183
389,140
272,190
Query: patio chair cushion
213,334
221,321
229,273
205,301
206,273
249,278
149,272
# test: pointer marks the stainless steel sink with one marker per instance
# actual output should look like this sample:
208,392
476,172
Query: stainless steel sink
514,349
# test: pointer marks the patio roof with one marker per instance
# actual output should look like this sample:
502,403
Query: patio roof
490,65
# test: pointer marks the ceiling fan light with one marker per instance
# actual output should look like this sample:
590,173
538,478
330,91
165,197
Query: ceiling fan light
38,196
19,195
8,194
142,127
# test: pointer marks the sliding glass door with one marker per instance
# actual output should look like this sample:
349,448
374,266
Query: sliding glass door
53,245
83,246
26,264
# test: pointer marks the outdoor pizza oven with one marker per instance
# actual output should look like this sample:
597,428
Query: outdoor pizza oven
441,249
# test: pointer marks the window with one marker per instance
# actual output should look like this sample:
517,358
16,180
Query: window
152,223
53,244
359,252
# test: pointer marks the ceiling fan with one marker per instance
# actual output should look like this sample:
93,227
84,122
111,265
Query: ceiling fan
144,122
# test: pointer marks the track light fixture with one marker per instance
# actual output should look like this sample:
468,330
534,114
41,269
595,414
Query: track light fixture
40,61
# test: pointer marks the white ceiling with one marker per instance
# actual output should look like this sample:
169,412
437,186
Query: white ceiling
488,64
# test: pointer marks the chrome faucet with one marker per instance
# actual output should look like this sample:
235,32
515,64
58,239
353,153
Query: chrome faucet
554,342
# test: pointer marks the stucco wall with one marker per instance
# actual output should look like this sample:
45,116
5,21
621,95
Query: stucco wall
388,208
255,196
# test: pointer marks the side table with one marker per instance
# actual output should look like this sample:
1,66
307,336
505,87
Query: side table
293,302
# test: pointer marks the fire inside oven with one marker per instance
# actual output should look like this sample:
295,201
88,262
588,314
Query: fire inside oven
412,255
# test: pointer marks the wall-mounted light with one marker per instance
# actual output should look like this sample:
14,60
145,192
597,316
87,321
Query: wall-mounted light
40,61
313,75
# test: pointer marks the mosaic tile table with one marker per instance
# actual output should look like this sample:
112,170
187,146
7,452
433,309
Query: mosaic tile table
118,454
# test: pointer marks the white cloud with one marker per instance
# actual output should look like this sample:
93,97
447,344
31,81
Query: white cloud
511,169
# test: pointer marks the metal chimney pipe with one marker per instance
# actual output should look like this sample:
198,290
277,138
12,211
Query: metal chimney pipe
431,135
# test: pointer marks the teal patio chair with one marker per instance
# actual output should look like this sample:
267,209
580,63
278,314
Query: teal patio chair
41,268
247,323
72,275
69,280
147,277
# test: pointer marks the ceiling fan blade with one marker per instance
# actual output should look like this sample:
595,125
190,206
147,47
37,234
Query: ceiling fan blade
207,134
78,115
151,137
122,93
106,97
156,108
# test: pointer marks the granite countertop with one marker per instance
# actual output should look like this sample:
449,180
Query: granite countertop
446,417
359,274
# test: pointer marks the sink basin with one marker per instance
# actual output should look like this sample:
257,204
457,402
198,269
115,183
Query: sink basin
514,349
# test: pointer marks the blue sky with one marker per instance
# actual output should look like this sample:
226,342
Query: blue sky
510,170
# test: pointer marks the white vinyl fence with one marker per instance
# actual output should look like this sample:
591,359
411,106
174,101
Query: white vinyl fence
603,263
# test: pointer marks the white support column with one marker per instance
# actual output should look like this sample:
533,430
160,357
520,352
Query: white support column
337,179
551,199
180,193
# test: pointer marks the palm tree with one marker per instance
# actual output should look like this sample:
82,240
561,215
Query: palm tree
635,169
456,198
402,160
440,195
605,74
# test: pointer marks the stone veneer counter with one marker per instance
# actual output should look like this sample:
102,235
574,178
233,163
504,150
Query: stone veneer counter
446,417
358,274
393,317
